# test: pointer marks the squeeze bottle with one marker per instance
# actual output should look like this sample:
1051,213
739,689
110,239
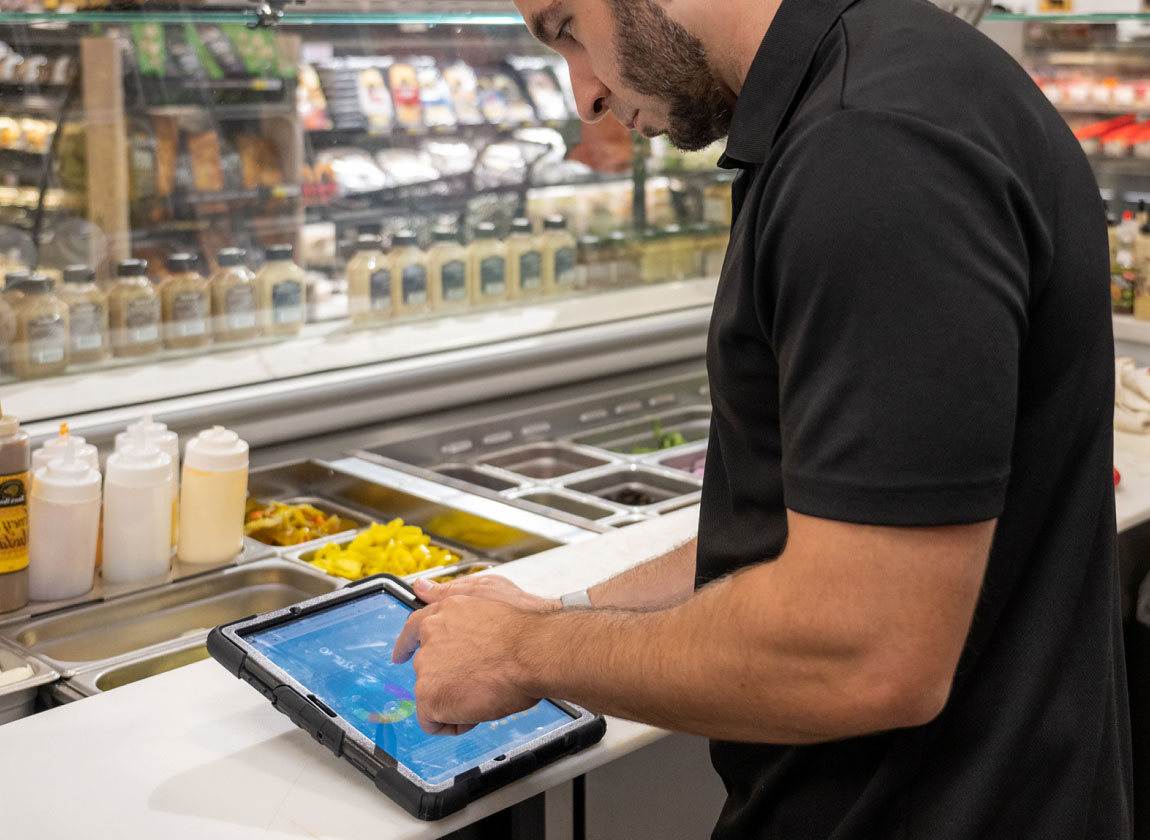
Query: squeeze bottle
212,497
14,476
137,513
63,527
55,448
158,434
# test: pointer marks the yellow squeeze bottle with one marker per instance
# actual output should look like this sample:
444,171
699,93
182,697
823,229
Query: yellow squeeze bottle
212,497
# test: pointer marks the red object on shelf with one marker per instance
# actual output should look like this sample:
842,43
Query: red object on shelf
1117,477
1097,129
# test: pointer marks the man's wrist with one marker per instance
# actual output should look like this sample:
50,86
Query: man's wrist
580,599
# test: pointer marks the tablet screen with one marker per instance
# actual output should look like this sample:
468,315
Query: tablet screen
343,656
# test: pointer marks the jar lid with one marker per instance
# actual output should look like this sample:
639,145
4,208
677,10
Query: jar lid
368,242
522,225
139,466
229,257
281,252
132,268
618,236
67,479
555,223
179,263
216,449
14,278
56,448
672,230
485,230
38,284
79,274
445,234
405,239
590,241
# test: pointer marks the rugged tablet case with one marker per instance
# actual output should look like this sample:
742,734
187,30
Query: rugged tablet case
313,716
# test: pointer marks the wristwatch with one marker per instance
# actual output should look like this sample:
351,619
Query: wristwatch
576,600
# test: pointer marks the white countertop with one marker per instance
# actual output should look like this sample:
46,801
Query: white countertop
1132,495
195,753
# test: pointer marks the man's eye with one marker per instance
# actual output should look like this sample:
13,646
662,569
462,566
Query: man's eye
565,33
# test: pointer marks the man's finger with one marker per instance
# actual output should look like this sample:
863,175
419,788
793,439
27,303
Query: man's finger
408,641
429,591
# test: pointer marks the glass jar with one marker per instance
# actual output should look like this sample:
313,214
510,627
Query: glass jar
185,302
409,270
41,344
449,269
625,260
488,266
134,311
524,260
560,263
594,263
369,281
235,297
281,285
87,315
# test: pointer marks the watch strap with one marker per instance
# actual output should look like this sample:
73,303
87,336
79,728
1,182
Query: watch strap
576,600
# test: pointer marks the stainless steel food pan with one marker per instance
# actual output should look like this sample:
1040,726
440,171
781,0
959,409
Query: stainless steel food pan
621,486
157,618
456,570
476,476
107,677
568,503
684,462
692,423
544,460
18,699
358,519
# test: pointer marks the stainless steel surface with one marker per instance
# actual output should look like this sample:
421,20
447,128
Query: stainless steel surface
13,590
95,681
655,486
569,503
543,460
457,570
693,424
684,462
18,699
477,477
162,617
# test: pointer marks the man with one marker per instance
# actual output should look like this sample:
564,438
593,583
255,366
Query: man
905,620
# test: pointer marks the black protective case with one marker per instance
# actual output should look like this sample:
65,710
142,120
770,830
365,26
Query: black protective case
313,716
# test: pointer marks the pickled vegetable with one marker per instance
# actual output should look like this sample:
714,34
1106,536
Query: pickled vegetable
395,549
275,523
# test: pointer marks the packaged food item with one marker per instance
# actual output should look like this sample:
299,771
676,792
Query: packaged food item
276,523
492,104
166,130
150,48
434,95
449,269
207,166
369,281
374,100
10,134
559,260
36,135
64,526
259,161
409,273
403,167
311,104
1124,270
461,81
41,344
524,260
235,297
450,158
137,543
519,110
212,497
134,311
404,84
87,315
394,548
352,169
185,298
488,266
15,462
543,89
281,282
340,82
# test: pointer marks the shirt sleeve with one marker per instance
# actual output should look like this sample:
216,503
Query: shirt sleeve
895,293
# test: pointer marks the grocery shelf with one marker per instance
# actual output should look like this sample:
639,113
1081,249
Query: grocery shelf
1006,17
291,17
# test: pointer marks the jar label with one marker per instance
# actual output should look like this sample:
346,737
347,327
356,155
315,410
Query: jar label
415,284
189,314
240,305
287,302
381,289
565,267
87,322
142,320
453,281
531,271
13,522
47,340
492,276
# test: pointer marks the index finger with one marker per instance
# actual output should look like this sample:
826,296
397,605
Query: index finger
408,641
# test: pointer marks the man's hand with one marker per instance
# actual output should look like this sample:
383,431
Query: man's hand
466,668
488,587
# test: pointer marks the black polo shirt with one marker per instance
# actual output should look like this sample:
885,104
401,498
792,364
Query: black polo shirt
912,328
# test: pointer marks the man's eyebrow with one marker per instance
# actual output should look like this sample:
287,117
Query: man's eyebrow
543,23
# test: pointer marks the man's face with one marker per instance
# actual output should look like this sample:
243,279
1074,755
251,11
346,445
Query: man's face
630,57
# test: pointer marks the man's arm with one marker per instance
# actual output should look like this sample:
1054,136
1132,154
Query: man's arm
853,629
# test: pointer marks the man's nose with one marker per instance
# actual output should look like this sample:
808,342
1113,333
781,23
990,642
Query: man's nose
590,93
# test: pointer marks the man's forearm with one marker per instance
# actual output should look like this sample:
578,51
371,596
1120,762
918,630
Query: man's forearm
662,582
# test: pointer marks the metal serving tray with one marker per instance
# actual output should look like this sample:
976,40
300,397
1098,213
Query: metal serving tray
18,699
658,487
165,617
306,553
544,460
693,424
681,463
356,517
479,477
554,499
93,681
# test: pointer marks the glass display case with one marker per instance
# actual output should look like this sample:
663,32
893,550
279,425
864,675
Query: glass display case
198,199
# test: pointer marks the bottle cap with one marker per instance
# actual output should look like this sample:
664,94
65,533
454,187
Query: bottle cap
522,225
368,242
9,425
216,449
67,478
485,230
405,239
38,284
139,466
180,263
14,278
79,274
279,253
231,256
54,448
555,223
154,433
445,234
132,268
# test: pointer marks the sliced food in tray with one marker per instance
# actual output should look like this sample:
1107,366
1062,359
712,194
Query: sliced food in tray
283,524
395,548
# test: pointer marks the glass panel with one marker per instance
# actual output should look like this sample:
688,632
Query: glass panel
250,170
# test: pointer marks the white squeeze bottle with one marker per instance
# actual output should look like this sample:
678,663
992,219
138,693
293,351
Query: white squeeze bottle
168,442
54,448
63,527
137,513
212,497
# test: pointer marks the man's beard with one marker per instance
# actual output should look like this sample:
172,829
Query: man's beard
659,58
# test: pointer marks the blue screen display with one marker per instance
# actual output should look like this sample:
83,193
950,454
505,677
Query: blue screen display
343,656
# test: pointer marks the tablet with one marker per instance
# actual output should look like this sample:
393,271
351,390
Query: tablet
326,664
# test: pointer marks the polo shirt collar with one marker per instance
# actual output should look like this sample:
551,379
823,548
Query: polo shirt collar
780,65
